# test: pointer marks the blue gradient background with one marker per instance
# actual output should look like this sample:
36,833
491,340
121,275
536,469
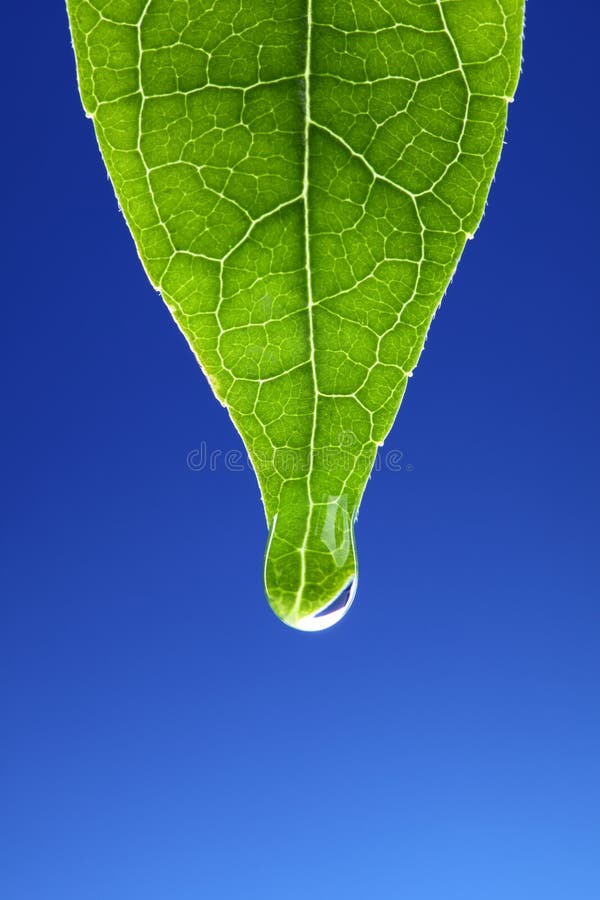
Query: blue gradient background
162,735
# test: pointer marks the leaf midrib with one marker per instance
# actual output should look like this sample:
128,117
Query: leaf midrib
309,295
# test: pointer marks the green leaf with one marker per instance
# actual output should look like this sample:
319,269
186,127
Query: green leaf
300,177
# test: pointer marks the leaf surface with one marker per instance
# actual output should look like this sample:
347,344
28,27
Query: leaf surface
300,177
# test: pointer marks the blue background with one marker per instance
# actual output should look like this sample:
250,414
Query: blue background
162,735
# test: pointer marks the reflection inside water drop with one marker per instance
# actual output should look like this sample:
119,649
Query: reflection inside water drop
331,613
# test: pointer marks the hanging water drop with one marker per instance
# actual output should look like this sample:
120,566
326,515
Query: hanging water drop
310,562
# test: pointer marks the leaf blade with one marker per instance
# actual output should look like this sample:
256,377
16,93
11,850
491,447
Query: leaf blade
300,179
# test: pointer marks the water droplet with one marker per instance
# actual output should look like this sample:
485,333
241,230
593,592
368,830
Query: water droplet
310,564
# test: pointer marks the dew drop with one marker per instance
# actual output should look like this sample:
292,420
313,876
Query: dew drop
310,568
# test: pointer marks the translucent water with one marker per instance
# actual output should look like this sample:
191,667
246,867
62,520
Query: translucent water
310,563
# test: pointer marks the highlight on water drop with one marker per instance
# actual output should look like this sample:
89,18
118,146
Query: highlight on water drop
332,613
